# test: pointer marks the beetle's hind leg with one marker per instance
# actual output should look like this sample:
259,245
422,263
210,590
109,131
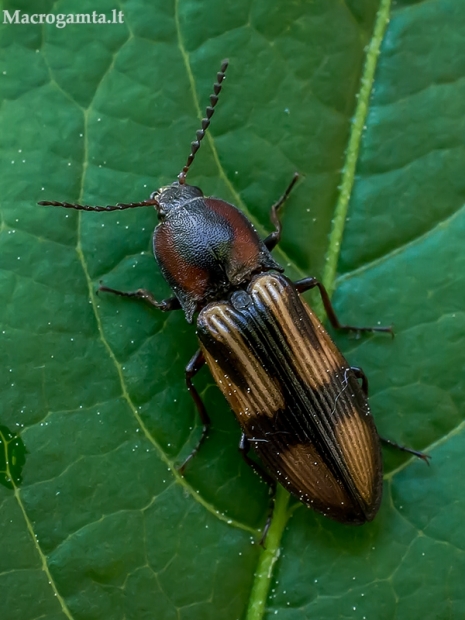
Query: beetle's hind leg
192,369
358,372
417,453
244,447
306,284
172,303
273,238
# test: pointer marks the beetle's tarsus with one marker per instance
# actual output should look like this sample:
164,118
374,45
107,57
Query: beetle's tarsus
165,305
421,455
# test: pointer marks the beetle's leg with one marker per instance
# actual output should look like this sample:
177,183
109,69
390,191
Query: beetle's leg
273,238
244,447
172,303
393,444
192,369
358,372
308,283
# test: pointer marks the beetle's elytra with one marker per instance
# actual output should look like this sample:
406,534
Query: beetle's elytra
296,398
299,403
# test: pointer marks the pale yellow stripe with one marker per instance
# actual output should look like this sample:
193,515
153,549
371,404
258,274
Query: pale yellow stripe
309,474
315,366
262,394
318,367
356,442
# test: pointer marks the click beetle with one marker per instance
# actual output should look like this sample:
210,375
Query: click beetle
300,405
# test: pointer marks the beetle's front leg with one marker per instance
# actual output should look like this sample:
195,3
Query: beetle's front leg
273,238
192,369
172,303
306,284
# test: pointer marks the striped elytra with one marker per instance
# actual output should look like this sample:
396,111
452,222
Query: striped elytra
295,397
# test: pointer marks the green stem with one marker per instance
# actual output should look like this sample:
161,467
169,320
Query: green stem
268,557
358,124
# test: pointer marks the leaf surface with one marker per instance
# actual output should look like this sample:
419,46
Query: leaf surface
102,525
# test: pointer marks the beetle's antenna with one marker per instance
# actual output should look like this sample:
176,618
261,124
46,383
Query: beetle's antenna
118,207
205,121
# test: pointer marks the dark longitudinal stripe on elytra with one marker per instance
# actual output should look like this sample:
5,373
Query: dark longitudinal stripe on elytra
301,421
356,444
278,350
327,364
309,411
316,427
270,358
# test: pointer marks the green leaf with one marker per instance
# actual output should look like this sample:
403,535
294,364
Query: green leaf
12,458
365,101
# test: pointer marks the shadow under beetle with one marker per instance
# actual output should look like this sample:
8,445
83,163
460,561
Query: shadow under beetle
299,403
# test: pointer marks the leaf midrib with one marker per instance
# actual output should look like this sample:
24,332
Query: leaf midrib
263,577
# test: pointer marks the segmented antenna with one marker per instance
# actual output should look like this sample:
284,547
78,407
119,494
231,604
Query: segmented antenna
205,121
118,207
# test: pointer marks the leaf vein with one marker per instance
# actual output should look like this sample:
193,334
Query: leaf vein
30,529
443,223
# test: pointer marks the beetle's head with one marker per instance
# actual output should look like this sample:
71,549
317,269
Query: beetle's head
173,196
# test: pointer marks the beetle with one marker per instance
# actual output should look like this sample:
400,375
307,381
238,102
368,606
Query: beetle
299,403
